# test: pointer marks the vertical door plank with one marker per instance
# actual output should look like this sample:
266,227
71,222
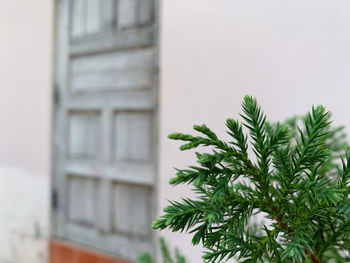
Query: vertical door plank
59,213
83,134
132,209
140,201
133,136
108,14
82,200
122,215
127,13
94,16
145,11
104,208
78,18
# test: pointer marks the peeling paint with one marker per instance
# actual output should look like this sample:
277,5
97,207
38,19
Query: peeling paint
24,216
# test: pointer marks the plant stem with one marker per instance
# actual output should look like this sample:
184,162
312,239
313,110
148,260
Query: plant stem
313,257
278,218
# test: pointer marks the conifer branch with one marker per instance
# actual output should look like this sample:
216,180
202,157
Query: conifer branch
294,182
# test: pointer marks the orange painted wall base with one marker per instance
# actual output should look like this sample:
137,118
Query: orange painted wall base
64,252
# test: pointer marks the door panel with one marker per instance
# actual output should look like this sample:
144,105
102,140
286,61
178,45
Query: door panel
128,70
104,163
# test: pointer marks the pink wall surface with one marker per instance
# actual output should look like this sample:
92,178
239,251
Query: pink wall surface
25,87
25,128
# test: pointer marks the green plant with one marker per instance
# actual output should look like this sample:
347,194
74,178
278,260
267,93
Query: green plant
166,255
295,188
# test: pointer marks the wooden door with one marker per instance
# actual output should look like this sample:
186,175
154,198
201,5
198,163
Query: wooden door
104,149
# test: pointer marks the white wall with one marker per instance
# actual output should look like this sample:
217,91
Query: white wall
25,120
289,54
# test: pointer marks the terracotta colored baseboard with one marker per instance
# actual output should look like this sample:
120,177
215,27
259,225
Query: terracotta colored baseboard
64,252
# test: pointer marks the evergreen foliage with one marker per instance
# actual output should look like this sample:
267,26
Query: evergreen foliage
291,179
166,255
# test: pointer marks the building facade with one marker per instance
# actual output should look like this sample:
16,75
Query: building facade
82,78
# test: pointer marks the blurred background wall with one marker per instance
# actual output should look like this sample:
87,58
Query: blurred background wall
25,127
289,54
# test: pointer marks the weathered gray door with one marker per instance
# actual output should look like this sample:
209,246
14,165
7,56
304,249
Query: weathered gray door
105,124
